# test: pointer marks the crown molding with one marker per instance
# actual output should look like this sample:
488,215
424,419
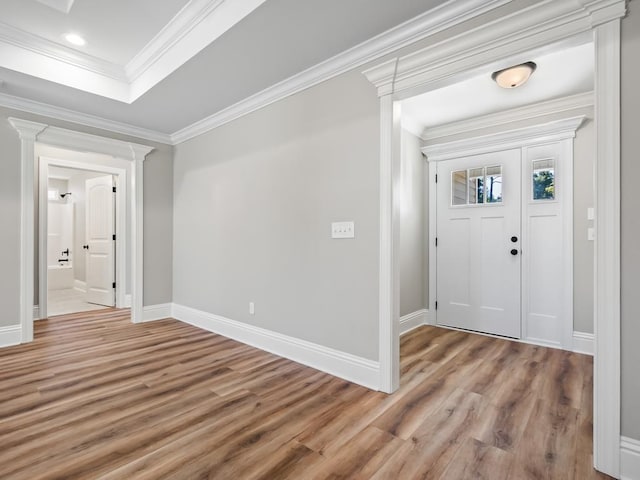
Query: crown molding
199,23
18,38
542,24
433,21
527,112
196,26
60,113
516,138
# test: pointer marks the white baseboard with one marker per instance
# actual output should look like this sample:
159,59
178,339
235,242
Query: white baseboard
36,312
156,312
413,320
629,459
344,365
11,335
583,342
80,286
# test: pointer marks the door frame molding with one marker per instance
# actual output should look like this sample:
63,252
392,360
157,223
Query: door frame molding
31,132
499,43
120,175
560,130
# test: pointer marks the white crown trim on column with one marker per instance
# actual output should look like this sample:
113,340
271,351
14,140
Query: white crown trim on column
507,117
516,138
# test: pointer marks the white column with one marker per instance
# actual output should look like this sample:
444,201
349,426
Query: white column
137,221
28,132
389,304
606,408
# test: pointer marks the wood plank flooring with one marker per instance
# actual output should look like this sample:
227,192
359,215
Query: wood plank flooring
96,397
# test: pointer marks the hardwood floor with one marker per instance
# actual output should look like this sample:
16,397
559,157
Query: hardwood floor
95,396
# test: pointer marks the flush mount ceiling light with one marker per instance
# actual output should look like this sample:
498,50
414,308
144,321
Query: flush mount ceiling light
515,76
75,39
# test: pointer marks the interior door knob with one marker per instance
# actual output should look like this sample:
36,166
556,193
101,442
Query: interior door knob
86,247
514,239
514,251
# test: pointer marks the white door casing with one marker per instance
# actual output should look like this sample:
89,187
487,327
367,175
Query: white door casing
100,229
478,264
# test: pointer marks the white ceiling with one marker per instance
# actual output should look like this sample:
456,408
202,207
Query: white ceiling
559,74
110,34
157,68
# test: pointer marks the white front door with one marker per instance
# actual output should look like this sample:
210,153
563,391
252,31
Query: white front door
478,243
100,227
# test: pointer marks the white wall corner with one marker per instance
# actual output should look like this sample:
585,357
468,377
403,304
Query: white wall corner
629,459
355,369
80,286
161,311
11,335
583,343
127,301
413,320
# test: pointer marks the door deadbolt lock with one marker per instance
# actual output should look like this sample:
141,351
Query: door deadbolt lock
514,239
514,251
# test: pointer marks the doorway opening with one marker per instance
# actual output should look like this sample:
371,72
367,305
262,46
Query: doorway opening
83,246
81,236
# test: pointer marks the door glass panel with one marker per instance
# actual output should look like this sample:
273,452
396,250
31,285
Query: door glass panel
544,181
493,184
459,187
476,184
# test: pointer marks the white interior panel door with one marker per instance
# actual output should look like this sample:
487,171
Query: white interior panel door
478,251
100,228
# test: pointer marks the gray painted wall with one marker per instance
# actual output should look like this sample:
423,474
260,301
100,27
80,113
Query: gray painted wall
413,227
158,183
254,201
630,231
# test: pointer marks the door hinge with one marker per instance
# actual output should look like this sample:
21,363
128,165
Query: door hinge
114,189
114,284
436,304
436,241
436,178
114,236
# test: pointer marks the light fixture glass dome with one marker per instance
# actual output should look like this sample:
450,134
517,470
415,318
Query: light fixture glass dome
515,76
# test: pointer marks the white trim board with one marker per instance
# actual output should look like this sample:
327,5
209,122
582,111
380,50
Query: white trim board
502,43
507,117
583,342
31,132
161,311
11,335
629,459
413,320
355,369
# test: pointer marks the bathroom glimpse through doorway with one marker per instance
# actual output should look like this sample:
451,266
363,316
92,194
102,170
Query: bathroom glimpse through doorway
81,254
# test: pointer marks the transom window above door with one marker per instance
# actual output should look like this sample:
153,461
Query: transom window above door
476,186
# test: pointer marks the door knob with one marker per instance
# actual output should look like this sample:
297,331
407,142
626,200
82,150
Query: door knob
514,251
86,247
514,239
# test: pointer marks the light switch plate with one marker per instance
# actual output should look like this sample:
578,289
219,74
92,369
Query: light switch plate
343,230
590,213
591,234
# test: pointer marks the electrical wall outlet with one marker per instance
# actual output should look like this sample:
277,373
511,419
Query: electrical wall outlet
343,230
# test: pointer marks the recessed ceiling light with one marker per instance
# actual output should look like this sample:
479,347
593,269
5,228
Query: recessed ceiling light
75,39
515,76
